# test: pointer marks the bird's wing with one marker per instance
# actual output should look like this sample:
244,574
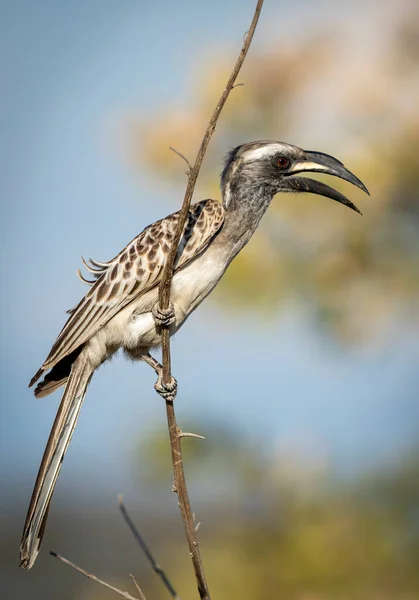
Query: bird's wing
133,272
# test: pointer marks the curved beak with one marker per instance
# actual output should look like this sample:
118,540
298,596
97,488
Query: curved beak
317,162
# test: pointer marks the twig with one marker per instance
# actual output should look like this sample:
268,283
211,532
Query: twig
137,587
164,300
139,538
183,157
96,579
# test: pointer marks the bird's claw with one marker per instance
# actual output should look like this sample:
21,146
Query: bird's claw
163,317
167,391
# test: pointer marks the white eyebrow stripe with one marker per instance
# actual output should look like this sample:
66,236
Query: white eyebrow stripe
263,152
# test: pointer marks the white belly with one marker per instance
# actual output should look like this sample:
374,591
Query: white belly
193,284
135,326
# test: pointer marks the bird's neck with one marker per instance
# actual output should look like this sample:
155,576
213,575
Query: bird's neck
245,205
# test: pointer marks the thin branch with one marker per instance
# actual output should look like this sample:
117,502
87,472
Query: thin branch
183,157
139,538
137,587
164,301
125,595
164,290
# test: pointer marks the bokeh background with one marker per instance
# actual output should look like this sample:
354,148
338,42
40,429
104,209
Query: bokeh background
301,371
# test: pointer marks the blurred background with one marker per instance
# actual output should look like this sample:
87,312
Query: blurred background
301,373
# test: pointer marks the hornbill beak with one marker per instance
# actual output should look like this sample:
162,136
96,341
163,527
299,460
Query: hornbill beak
317,162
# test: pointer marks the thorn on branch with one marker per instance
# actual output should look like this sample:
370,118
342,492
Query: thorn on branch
184,434
237,85
197,525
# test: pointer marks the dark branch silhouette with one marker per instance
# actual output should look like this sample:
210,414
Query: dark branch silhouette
139,538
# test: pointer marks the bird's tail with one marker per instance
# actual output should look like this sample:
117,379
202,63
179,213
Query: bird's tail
58,441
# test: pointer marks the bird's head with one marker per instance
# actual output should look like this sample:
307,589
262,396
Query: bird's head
273,167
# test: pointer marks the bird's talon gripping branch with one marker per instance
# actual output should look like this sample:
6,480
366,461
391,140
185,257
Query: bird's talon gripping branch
163,317
167,391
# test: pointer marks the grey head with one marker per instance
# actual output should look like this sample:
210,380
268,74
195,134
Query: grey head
256,171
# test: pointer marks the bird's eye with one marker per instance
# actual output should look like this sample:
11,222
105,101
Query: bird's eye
282,162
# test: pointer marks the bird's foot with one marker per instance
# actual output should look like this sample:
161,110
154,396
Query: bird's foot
167,391
163,317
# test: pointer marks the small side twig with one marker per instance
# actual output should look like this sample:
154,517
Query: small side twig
125,595
183,157
137,587
164,300
139,538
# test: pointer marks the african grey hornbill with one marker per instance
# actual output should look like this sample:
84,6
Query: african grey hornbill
121,309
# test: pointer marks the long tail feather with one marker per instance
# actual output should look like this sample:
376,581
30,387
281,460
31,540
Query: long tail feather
58,442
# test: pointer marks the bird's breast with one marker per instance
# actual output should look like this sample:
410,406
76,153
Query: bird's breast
135,325
192,284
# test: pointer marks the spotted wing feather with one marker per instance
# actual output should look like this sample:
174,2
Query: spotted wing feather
133,272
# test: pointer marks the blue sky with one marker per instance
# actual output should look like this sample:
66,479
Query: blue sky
70,72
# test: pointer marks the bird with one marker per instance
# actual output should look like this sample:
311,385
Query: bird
121,309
